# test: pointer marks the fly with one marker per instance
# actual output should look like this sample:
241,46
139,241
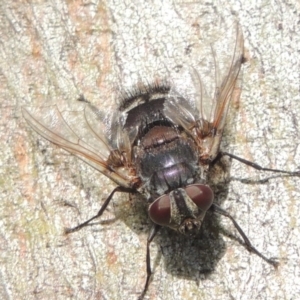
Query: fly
158,144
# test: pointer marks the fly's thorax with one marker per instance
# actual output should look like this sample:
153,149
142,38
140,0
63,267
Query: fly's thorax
166,159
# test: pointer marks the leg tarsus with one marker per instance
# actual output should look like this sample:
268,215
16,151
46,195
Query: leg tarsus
155,228
100,212
248,245
254,165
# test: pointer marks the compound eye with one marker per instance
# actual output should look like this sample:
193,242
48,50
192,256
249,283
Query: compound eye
201,194
159,210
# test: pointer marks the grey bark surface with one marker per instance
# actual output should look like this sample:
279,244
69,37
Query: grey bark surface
51,53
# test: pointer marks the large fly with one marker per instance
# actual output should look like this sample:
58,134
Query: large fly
159,145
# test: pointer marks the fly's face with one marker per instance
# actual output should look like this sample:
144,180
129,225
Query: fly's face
182,209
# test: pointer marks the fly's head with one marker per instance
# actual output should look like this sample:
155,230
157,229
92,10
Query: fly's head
183,209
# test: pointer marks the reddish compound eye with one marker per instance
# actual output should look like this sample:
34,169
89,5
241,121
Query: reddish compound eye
201,194
159,210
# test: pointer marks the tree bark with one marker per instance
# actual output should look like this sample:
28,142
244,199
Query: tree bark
53,52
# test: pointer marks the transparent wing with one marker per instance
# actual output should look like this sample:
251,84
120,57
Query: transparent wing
204,117
79,133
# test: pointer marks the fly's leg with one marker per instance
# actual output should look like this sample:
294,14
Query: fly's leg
256,166
102,209
217,209
155,228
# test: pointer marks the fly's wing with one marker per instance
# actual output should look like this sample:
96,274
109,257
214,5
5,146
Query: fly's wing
204,116
82,134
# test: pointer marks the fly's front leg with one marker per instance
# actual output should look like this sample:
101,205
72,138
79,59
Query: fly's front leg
155,228
102,209
217,209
